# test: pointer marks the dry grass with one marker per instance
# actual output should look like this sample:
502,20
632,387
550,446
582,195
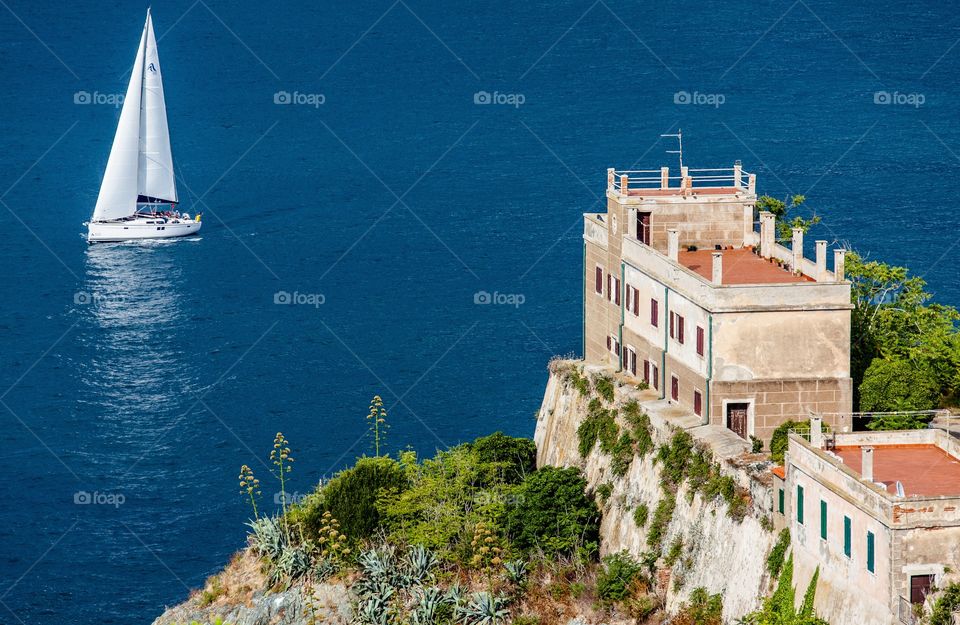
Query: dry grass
234,585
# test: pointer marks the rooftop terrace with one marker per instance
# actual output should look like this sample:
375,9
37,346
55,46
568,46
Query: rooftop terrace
923,470
740,266
659,182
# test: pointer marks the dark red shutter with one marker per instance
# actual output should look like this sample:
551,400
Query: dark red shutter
699,341
636,303
609,344
633,362
673,316
675,388
617,284
646,371
654,313
697,403
599,286
656,377
680,329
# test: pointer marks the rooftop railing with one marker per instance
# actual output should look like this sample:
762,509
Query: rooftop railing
625,181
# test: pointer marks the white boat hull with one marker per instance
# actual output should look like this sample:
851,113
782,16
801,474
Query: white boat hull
106,231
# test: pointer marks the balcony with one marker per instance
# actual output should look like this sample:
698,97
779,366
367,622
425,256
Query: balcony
659,182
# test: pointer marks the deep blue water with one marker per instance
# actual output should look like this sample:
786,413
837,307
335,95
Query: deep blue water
183,368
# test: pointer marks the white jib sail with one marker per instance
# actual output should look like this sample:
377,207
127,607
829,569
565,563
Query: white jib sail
156,179
140,162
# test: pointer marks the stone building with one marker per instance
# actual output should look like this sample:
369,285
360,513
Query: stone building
878,513
682,292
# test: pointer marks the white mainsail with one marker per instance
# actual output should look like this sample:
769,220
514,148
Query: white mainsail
140,162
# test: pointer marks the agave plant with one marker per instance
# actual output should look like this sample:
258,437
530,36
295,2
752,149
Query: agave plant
418,565
293,562
268,537
429,601
455,594
379,563
516,571
375,610
484,608
323,569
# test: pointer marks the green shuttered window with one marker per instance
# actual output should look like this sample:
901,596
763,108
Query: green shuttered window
823,519
780,501
870,554
800,505
846,536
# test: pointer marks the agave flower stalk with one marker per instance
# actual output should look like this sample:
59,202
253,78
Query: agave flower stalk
250,486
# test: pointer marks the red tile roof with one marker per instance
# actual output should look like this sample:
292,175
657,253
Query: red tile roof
922,469
740,266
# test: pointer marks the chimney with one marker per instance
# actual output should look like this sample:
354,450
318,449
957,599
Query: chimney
797,250
767,225
866,463
821,261
673,244
664,177
816,432
838,256
718,268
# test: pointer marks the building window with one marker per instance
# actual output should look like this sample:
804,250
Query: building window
680,329
699,341
673,318
823,519
633,361
616,285
800,505
674,388
636,303
846,536
654,313
609,287
613,345
870,554
646,372
780,502
656,378
697,404
599,280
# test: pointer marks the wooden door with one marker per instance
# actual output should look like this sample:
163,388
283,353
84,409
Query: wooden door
920,586
674,388
737,418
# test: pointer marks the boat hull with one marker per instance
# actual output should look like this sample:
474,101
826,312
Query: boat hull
113,231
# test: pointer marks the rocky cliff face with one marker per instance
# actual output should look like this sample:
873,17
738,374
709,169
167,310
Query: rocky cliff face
717,552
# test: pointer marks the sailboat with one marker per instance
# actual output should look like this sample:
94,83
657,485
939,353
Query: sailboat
139,183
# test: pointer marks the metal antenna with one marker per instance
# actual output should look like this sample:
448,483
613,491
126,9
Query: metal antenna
679,138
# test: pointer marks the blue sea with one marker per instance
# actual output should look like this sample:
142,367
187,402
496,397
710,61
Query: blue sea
366,172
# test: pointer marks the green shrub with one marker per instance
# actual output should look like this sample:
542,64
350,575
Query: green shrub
604,386
351,496
553,512
777,554
898,384
640,515
641,430
946,605
580,382
674,552
622,455
513,458
675,456
601,425
661,519
756,445
604,491
618,573
702,609
779,440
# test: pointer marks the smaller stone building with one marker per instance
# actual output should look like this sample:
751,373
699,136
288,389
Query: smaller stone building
878,513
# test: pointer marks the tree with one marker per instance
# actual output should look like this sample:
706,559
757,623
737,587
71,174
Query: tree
896,384
351,497
553,512
513,458
892,319
781,209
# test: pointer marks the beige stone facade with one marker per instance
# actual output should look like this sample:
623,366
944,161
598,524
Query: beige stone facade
682,292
